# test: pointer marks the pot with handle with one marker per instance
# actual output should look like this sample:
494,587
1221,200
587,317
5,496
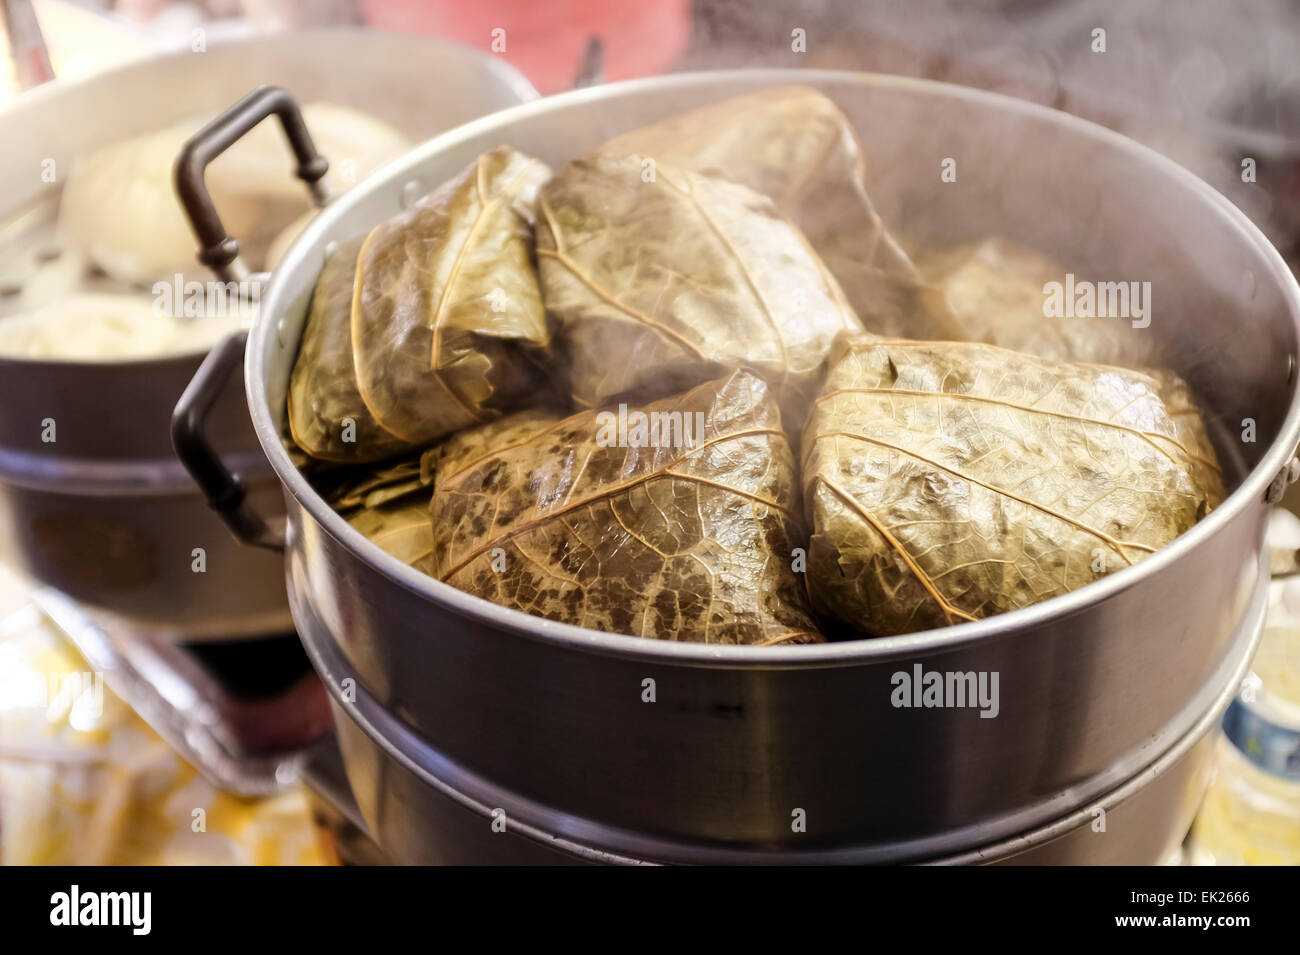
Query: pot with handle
105,513
455,713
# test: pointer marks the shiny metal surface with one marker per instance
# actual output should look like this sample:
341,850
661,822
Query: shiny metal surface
107,514
428,811
1143,821
1095,685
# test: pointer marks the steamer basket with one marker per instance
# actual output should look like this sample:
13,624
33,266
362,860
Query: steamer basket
446,699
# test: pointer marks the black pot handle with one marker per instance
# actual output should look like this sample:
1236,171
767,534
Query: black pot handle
217,250
225,493
220,252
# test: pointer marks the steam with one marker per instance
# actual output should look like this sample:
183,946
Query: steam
1216,87
1206,83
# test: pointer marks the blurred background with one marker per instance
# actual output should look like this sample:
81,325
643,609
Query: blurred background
1208,83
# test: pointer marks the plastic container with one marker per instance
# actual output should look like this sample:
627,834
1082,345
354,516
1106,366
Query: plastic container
1251,813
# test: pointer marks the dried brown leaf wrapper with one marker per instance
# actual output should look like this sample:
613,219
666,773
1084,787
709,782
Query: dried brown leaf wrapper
327,416
677,543
659,285
994,289
446,314
388,504
377,486
403,530
947,482
795,146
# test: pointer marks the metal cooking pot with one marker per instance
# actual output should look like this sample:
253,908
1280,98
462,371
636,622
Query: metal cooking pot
447,700
106,513
421,820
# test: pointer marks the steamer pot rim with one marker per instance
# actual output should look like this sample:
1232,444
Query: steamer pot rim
127,366
843,653
46,93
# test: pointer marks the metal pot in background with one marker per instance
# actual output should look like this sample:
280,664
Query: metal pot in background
106,513
458,711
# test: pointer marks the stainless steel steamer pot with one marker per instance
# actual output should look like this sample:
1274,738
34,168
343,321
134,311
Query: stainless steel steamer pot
106,513
446,700
422,820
